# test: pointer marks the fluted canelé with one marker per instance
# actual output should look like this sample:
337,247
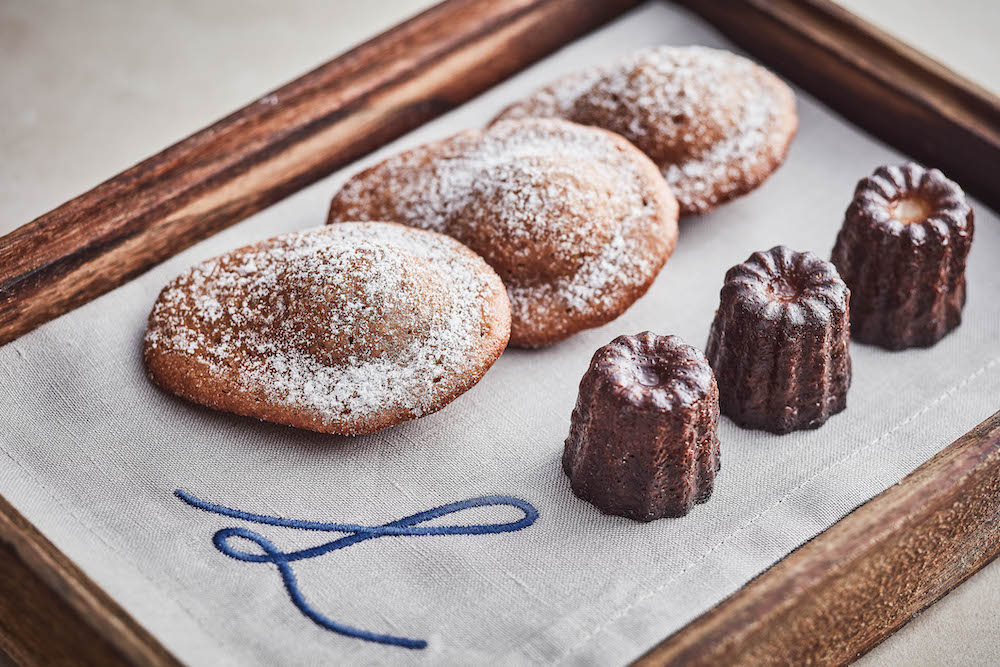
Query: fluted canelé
779,344
642,441
902,251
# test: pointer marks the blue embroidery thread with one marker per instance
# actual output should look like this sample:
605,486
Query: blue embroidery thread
407,526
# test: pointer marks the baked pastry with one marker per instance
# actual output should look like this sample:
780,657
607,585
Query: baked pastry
779,342
346,329
576,220
902,251
642,441
716,123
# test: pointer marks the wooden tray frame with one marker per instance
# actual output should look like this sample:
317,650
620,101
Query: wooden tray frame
831,600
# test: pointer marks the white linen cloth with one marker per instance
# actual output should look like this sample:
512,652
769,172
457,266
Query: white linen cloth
91,452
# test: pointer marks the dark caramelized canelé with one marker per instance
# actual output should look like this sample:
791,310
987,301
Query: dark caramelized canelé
643,442
779,342
902,251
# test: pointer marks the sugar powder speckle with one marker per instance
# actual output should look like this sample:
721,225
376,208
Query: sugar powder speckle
351,325
717,124
575,220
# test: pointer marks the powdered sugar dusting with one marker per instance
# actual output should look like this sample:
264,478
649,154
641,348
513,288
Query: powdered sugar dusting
572,218
716,123
348,322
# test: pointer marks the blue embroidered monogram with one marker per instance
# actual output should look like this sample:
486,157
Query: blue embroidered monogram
408,526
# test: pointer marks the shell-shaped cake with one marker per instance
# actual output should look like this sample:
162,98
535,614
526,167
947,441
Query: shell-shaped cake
576,220
346,329
715,123
779,344
902,250
643,441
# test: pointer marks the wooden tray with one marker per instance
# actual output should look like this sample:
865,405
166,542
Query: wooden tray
831,600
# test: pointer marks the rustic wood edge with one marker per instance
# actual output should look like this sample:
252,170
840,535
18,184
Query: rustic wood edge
39,628
853,585
275,146
90,605
897,93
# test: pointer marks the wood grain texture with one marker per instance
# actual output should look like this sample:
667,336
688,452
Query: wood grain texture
53,613
275,146
38,628
881,84
849,588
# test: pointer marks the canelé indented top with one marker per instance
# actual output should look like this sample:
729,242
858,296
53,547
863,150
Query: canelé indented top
779,342
902,250
642,441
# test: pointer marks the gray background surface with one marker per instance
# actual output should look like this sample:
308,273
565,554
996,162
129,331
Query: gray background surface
92,88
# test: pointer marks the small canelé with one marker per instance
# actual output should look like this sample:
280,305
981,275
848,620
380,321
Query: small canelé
902,250
779,343
643,439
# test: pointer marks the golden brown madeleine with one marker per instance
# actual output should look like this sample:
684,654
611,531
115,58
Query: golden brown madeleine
346,329
576,220
902,251
716,123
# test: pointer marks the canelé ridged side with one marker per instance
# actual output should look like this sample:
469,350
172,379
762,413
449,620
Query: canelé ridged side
907,279
779,344
643,441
